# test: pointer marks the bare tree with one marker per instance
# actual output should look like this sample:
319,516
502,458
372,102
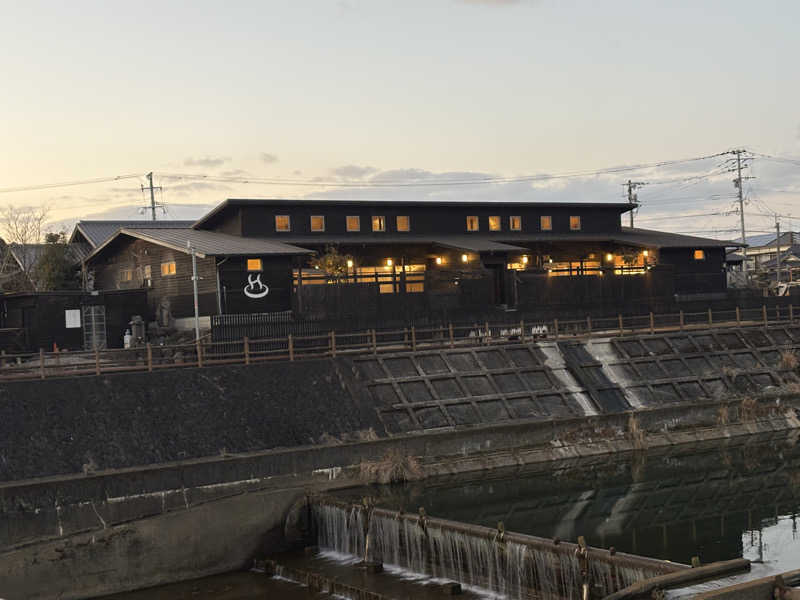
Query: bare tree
21,227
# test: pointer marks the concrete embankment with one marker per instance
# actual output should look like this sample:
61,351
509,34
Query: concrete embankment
130,480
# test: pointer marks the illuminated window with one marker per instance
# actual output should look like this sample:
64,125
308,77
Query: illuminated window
317,223
403,223
575,223
378,223
168,268
147,272
699,254
472,223
253,264
546,223
515,223
283,223
353,223
126,275
494,223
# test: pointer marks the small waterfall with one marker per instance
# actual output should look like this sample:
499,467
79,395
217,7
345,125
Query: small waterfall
443,549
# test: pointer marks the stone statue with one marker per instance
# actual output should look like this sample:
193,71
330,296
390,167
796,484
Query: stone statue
164,317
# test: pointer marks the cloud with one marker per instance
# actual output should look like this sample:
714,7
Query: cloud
132,212
353,171
492,2
206,162
234,173
194,187
268,158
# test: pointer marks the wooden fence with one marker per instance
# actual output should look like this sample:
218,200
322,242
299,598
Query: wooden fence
246,351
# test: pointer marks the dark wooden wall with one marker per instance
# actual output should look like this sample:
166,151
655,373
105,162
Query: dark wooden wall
42,319
276,274
696,276
256,221
128,253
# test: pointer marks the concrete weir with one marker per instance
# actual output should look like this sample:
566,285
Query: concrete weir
503,562
124,481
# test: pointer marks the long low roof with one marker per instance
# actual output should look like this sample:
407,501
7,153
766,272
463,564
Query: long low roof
97,232
206,243
506,241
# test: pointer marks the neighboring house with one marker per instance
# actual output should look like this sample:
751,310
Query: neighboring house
94,233
789,264
763,249
255,255
26,258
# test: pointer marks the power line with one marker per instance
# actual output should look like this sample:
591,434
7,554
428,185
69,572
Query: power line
451,182
46,186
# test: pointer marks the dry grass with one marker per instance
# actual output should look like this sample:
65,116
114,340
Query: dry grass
748,409
394,467
789,360
636,432
723,417
730,372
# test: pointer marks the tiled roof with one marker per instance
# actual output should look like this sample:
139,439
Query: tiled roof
500,241
27,255
97,232
207,243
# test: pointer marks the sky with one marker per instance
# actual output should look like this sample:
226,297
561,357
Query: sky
366,92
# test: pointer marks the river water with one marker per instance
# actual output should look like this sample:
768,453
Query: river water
737,499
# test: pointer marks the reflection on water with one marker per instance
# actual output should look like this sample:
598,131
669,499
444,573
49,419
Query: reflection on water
776,543
737,499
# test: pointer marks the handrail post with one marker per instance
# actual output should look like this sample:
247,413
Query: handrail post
41,362
488,335
247,349
710,318
413,337
374,342
621,328
199,346
681,320
652,323
589,324
149,357
333,343
291,347
555,326
738,316
522,330
96,361
452,339
764,314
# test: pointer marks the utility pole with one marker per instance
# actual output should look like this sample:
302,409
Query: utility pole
194,286
778,248
737,183
152,189
632,197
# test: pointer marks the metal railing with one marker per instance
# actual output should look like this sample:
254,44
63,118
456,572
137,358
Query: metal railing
149,358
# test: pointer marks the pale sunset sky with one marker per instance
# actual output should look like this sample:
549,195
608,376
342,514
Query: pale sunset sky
374,92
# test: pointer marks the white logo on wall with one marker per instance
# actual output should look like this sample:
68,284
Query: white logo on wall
254,287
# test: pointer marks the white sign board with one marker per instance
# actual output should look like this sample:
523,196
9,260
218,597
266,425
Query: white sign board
73,317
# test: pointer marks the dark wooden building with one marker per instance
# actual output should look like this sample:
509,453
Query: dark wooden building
70,320
235,274
396,257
